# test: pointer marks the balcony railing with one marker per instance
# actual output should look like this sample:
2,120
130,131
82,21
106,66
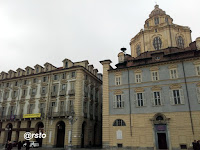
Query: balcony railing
53,94
62,93
71,92
59,114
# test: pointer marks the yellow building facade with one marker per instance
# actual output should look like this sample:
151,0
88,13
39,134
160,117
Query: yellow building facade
62,102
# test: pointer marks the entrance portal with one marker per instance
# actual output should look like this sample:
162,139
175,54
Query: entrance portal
60,127
162,143
39,129
83,135
9,130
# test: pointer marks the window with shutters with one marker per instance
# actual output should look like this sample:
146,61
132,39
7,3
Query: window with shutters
14,94
140,99
198,94
118,80
198,70
156,98
119,122
63,87
177,97
118,102
154,76
138,77
173,73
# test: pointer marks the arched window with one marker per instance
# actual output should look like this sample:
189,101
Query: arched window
138,50
119,122
157,43
180,42
156,20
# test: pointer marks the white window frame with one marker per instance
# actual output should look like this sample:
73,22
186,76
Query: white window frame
118,101
154,75
118,80
197,68
198,94
138,77
140,99
173,73
179,99
157,98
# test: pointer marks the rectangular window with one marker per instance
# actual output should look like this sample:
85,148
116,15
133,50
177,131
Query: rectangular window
27,71
16,83
198,70
43,90
34,91
37,70
44,79
139,99
53,104
73,74
24,92
31,108
118,102
7,85
117,80
154,75
64,76
177,97
157,98
173,73
63,87
25,82
54,88
55,77
138,78
72,84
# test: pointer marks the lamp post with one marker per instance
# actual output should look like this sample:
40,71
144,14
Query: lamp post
72,120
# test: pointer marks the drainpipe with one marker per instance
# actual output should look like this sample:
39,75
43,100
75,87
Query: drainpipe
188,98
129,97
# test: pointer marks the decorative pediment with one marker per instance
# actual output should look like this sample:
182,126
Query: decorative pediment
172,66
116,92
22,101
139,89
197,62
32,101
137,71
53,99
4,103
175,86
155,68
42,99
13,103
156,88
118,73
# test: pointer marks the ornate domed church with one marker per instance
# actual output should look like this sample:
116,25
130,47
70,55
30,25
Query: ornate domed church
151,100
159,33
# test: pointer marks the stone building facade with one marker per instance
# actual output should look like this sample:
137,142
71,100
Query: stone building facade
64,103
151,100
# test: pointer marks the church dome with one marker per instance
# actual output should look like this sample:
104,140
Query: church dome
157,11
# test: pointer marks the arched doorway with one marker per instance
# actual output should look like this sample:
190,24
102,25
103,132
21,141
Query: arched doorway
8,132
60,127
39,128
83,134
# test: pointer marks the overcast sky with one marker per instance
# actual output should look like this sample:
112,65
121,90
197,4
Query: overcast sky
39,31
